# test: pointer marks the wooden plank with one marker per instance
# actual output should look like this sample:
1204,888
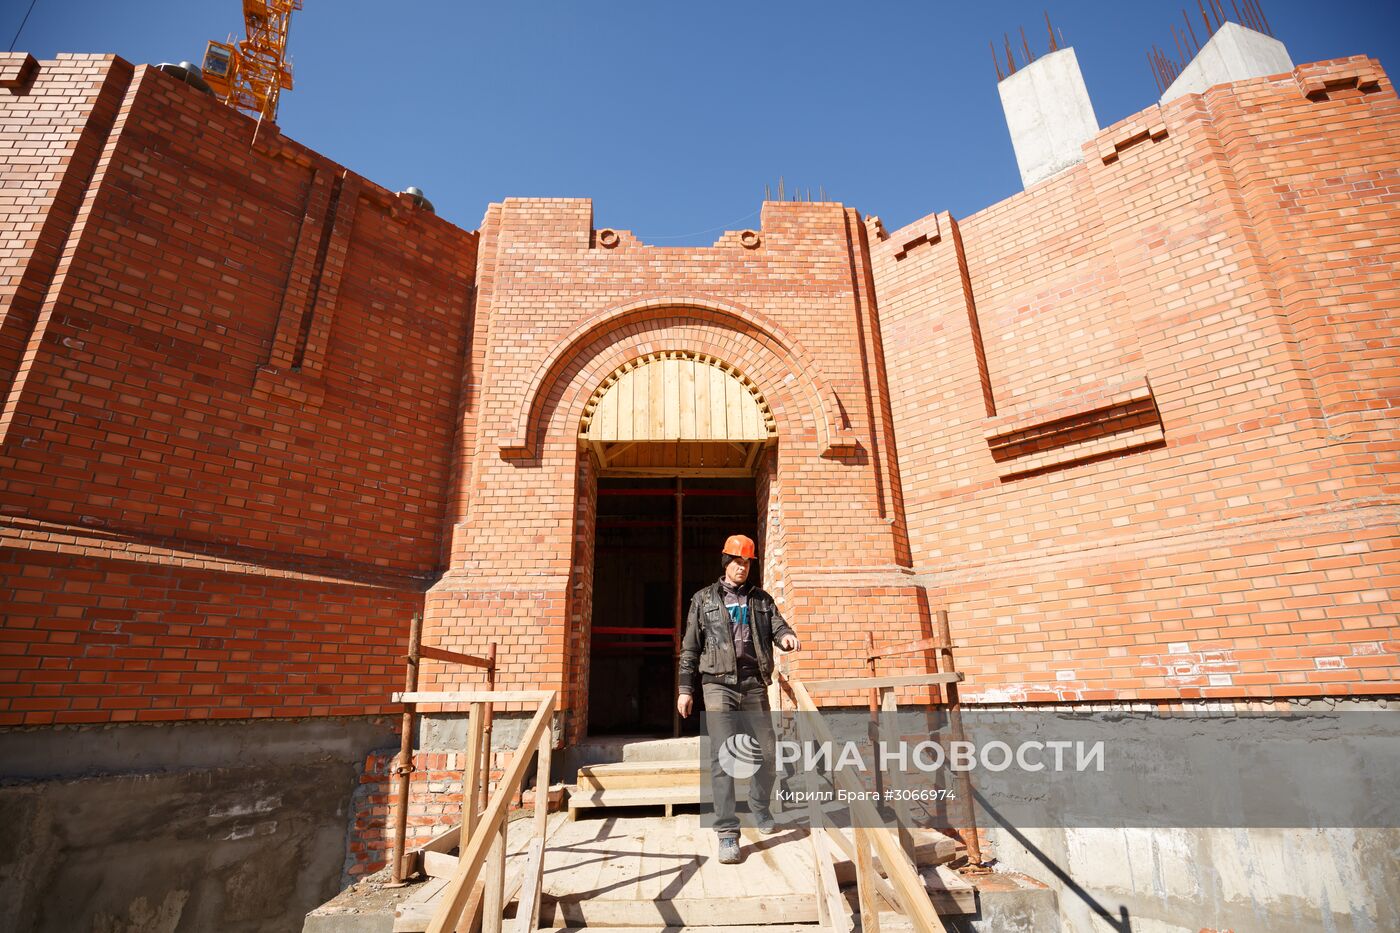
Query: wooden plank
865,882
474,855
672,394
441,654
527,912
588,783
660,766
847,848
893,680
734,398
534,868
702,401
703,928
687,399
751,914
930,848
603,427
444,841
910,647
633,797
439,864
472,773
737,472
950,892
493,902
473,696
625,406
752,418
656,407
836,918
641,405
889,729
719,425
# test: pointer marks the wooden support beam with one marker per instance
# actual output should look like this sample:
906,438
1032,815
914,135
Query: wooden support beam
527,913
893,680
474,772
527,918
848,849
473,696
909,647
442,654
865,881
493,902
889,729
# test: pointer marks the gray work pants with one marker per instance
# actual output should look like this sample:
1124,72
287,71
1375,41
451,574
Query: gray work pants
721,702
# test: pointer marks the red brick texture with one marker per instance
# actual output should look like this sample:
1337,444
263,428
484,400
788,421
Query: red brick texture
1234,265
229,419
1133,428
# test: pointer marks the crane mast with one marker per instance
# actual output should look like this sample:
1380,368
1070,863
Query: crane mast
251,74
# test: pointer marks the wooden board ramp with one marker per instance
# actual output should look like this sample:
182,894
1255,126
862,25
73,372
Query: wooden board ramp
652,873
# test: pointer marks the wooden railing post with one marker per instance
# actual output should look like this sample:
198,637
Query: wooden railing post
527,910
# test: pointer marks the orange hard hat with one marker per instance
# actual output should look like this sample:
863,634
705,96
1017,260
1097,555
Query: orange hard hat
739,546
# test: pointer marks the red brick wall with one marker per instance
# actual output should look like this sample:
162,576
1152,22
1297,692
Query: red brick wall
1133,428
559,309
1222,258
235,412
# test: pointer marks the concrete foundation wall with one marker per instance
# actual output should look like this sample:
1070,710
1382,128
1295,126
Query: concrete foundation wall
240,826
1187,880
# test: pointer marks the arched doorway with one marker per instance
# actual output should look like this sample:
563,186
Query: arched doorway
678,441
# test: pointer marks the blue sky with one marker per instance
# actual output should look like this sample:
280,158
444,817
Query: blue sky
673,116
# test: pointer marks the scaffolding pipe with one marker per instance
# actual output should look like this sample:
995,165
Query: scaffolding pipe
964,785
404,769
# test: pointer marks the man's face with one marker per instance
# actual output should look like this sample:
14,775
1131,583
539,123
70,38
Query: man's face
737,570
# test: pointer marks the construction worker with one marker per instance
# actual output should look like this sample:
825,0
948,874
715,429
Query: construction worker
730,631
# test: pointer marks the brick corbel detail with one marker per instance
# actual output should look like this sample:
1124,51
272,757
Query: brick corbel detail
835,437
1318,82
17,70
1105,417
1148,125
924,237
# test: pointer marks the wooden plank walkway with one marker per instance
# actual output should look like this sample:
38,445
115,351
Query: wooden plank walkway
658,871
651,872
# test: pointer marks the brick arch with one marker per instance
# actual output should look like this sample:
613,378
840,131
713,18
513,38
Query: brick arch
790,402
759,328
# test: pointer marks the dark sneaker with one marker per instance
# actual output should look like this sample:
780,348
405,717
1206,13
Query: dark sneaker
728,850
765,824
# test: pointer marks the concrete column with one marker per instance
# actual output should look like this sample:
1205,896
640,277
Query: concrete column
1049,114
1234,53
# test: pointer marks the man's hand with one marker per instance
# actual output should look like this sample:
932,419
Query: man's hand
684,704
789,642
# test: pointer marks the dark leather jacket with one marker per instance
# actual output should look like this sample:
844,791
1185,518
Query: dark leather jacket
708,643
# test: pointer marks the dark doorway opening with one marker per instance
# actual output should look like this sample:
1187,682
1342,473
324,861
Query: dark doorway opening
658,541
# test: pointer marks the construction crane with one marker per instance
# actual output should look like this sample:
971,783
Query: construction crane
250,75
